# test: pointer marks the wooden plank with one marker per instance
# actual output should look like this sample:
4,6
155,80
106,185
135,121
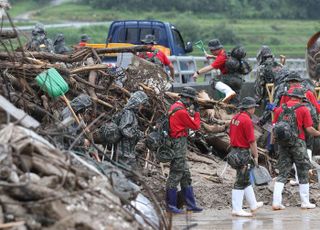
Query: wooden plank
18,114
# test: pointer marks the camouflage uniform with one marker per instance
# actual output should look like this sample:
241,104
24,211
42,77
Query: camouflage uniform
243,177
39,42
295,153
179,169
129,129
59,45
265,73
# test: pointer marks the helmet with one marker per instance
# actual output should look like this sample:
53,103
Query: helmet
149,39
59,38
297,92
248,102
215,44
39,28
263,54
82,101
293,76
188,92
232,64
238,52
84,38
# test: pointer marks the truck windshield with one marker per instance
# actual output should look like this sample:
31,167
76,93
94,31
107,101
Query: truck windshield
135,35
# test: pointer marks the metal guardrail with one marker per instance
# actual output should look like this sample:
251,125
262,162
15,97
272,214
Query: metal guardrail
185,66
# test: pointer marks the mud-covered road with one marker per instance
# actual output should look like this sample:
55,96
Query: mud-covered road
290,218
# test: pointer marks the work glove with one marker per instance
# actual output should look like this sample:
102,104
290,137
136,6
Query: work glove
196,106
270,106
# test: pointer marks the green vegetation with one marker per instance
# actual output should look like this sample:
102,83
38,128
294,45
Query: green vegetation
286,37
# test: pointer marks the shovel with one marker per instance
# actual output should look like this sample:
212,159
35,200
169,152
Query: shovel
270,90
52,82
199,45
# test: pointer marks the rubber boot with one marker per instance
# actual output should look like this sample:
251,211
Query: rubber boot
172,201
189,199
304,196
296,181
277,196
237,199
251,199
226,90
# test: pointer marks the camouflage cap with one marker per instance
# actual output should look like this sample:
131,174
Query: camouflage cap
82,101
188,92
294,76
149,39
215,44
247,102
297,92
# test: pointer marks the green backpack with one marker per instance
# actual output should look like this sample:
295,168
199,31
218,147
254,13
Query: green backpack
286,129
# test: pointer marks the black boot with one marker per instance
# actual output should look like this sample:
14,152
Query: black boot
172,201
190,201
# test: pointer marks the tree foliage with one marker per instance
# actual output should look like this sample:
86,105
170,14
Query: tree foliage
271,9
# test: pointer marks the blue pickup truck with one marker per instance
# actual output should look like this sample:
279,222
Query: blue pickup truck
132,31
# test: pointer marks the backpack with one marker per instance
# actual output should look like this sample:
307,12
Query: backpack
286,129
110,131
158,140
236,62
154,59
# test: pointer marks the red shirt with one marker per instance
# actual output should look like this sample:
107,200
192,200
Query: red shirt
160,55
220,62
241,130
303,115
309,95
82,44
181,121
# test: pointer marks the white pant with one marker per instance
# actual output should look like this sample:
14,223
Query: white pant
224,88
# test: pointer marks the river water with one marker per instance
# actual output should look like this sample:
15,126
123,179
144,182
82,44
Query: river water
292,218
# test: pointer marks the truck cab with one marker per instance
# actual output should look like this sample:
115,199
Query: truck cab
133,31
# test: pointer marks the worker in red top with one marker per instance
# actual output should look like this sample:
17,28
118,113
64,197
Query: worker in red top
156,56
84,39
293,151
294,80
243,142
216,48
180,122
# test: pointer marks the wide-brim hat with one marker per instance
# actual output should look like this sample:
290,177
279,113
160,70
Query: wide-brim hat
294,76
188,92
85,37
215,44
149,39
248,102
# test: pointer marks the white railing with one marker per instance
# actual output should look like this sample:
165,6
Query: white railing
185,66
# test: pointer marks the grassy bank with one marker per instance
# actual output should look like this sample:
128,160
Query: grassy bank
286,37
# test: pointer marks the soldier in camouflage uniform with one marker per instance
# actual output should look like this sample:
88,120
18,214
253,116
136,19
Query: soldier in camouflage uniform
60,45
243,143
39,41
266,72
294,152
180,121
129,129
